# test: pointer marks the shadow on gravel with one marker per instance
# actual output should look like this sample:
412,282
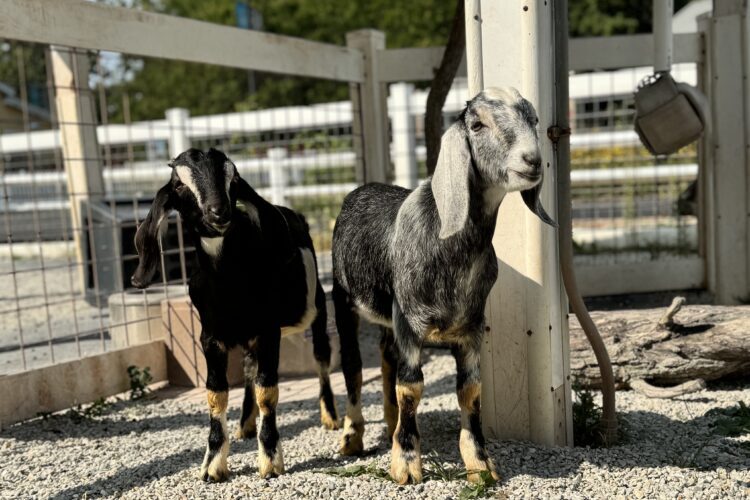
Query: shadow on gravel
133,477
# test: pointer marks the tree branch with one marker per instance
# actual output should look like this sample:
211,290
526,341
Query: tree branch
441,85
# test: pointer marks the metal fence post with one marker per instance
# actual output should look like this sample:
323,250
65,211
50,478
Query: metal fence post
277,175
177,118
369,108
404,140
76,115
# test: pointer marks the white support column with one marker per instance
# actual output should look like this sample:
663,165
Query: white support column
76,115
404,136
525,354
370,110
177,118
277,175
727,182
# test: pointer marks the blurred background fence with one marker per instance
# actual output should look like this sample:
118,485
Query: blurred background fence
77,174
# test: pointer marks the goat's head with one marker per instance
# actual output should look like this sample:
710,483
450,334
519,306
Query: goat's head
200,189
494,138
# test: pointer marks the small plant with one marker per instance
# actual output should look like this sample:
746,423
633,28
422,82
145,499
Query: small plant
586,417
95,409
139,380
435,470
480,489
735,421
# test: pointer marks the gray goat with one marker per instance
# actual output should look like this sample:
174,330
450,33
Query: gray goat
421,263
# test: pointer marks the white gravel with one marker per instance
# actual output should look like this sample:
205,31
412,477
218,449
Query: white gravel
153,450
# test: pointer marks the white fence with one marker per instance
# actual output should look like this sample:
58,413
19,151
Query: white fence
43,168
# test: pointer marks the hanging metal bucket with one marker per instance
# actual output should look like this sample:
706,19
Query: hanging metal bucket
668,115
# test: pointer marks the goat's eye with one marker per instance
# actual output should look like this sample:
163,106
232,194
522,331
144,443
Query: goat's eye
477,126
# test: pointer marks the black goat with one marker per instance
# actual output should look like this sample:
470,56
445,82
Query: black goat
421,263
256,280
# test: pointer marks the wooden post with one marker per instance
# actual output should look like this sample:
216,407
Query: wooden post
76,115
370,110
177,118
277,175
525,368
726,183
404,140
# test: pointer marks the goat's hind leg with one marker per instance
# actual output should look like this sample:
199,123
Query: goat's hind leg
347,323
247,427
322,352
389,365
469,390
214,467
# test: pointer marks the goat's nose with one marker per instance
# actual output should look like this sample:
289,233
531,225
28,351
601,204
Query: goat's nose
218,213
532,160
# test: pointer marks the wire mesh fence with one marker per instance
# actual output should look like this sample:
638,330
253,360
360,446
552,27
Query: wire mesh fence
628,206
70,210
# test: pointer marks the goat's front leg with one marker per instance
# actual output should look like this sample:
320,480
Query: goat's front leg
214,466
270,457
246,429
469,390
406,457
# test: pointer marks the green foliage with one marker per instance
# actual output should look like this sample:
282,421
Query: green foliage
139,380
734,421
158,84
612,17
480,489
95,409
586,417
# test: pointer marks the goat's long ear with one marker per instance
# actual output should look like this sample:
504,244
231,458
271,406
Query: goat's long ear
147,238
450,183
531,198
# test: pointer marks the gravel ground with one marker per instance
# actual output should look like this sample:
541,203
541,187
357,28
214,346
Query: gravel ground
152,449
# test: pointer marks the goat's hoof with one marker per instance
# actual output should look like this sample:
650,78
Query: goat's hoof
329,419
351,444
245,433
268,466
474,474
406,469
329,422
214,474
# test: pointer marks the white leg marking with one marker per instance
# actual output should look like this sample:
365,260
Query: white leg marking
212,246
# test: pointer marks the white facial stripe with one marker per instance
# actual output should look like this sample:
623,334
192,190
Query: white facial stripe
186,176
228,174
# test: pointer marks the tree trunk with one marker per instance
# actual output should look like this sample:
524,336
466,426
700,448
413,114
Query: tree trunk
703,342
441,85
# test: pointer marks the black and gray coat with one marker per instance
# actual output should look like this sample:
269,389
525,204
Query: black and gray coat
421,263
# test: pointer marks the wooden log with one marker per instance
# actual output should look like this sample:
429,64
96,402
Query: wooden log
682,345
